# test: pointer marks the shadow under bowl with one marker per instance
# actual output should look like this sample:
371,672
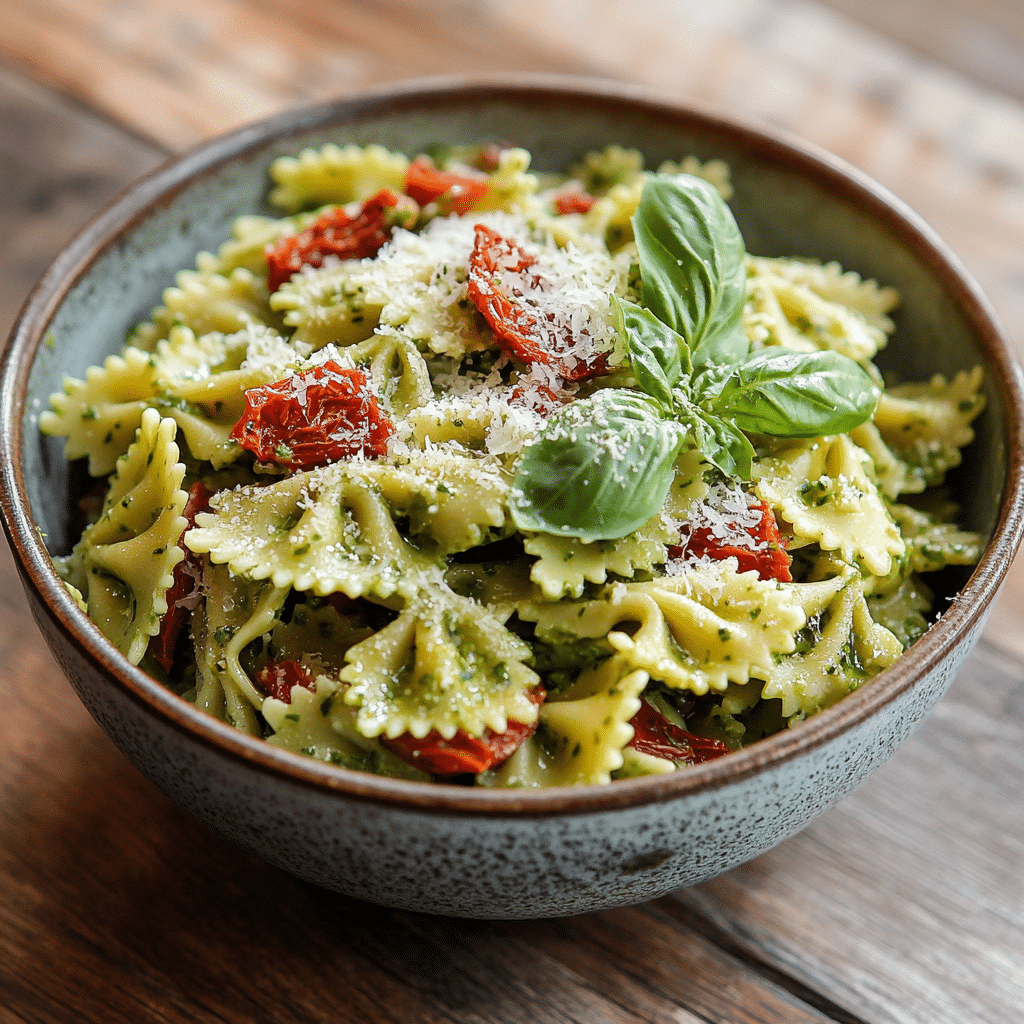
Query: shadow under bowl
476,852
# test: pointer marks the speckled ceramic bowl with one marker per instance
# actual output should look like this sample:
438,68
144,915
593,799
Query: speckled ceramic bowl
450,849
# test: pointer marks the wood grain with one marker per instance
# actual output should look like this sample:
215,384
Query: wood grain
951,149
59,166
178,72
983,41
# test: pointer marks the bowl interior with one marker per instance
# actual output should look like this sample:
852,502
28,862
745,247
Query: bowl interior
789,200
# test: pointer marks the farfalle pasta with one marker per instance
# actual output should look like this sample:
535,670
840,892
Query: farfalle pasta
460,472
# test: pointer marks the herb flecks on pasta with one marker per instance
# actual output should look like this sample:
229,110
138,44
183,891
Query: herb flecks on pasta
515,479
124,562
443,664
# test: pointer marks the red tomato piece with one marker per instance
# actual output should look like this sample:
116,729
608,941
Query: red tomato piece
497,284
464,754
767,555
513,326
538,397
336,233
574,202
457,193
183,594
277,678
313,418
654,734
490,156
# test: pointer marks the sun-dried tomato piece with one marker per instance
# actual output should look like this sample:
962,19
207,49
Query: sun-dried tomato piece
313,418
767,555
494,258
183,594
457,193
337,233
500,280
489,157
277,678
574,202
464,754
538,397
654,734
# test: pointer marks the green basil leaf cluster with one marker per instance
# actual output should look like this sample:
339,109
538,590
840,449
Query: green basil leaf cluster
602,466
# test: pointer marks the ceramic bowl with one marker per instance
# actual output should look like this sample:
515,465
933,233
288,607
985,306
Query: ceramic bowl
451,849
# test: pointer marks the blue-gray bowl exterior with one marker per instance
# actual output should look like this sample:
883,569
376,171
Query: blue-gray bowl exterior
451,850
496,866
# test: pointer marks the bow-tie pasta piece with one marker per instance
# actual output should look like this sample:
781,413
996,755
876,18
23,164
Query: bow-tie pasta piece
582,735
123,564
846,647
443,664
335,174
317,722
806,307
697,632
100,415
824,489
927,425
236,611
323,530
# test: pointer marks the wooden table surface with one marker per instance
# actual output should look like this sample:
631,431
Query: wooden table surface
904,904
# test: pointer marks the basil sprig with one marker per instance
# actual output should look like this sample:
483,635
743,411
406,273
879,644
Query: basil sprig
602,466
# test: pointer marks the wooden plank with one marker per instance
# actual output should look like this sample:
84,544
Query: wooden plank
649,960
178,72
59,167
982,41
952,150
904,903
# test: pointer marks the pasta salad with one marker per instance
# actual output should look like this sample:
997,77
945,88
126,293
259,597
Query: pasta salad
455,471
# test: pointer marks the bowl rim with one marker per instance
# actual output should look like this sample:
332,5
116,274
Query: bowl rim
965,614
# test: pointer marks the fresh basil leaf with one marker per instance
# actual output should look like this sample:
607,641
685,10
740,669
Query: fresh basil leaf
692,265
600,468
708,383
657,353
797,394
722,443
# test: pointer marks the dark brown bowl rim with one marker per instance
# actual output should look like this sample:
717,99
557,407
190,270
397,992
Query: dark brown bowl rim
773,146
